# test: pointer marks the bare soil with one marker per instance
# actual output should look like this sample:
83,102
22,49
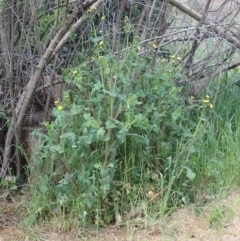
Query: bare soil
217,221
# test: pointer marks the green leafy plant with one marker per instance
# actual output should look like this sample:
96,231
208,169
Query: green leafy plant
113,134
9,183
123,134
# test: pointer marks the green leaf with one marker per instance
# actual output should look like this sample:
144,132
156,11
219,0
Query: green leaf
97,165
14,187
122,134
190,174
86,139
176,113
110,125
97,87
69,135
236,70
75,110
101,132
101,135
55,149
86,116
111,165
107,71
96,40
75,145
110,93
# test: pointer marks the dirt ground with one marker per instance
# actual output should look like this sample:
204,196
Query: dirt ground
217,221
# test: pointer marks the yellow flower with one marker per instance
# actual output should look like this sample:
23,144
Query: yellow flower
211,106
75,72
192,97
55,102
173,56
207,96
153,44
163,60
179,58
101,43
138,48
205,101
173,61
91,10
103,18
46,124
60,107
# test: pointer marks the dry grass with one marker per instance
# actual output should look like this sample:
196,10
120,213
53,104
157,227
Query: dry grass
183,225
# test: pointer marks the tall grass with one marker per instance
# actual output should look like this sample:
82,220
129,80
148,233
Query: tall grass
217,160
